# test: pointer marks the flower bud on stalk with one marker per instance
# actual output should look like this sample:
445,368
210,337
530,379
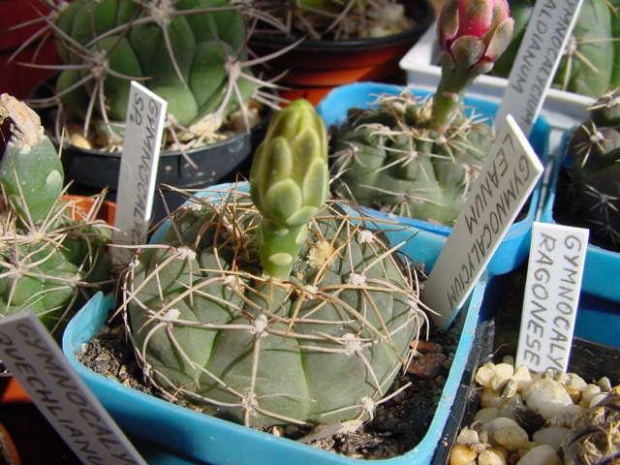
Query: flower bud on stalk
472,35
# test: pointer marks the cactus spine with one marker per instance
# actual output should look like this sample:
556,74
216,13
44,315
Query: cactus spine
47,259
215,320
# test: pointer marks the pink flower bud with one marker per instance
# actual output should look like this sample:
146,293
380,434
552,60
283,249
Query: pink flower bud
474,33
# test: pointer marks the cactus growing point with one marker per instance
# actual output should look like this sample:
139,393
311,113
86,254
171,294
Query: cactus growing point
322,344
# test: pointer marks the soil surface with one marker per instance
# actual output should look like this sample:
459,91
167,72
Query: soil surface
399,424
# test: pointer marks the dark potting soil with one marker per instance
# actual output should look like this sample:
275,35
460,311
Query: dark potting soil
398,425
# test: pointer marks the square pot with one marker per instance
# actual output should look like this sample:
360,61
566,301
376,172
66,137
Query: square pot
514,247
206,439
599,321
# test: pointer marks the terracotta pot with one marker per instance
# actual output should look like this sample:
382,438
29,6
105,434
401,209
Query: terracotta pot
317,66
81,205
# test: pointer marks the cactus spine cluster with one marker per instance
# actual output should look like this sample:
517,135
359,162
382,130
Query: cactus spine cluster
189,52
278,311
594,151
47,259
417,157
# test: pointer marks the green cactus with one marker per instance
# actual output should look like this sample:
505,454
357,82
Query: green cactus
189,52
591,62
418,157
594,153
596,439
215,322
389,157
47,259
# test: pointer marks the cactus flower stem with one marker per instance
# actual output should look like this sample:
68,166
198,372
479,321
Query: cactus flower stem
289,183
472,34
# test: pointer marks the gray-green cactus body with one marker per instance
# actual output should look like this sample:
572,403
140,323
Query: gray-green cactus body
319,347
389,157
594,151
47,259
179,50
590,62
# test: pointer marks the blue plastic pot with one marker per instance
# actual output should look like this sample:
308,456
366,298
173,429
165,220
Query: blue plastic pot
205,439
602,267
598,318
515,246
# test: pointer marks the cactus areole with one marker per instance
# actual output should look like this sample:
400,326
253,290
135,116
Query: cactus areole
284,310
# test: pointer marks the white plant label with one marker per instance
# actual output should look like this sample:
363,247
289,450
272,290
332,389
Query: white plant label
144,126
539,55
498,194
32,356
555,269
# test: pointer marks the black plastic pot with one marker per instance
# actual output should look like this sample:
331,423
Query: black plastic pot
93,170
498,337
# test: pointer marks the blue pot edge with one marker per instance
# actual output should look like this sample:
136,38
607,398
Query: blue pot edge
594,253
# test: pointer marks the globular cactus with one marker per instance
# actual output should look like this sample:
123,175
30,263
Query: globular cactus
189,52
418,157
47,258
596,440
591,61
594,153
217,321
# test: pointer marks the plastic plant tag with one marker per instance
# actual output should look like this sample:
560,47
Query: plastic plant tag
32,356
144,127
555,269
498,194
537,60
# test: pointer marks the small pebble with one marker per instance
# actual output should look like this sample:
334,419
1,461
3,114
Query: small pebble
553,436
588,393
577,382
541,455
428,366
509,359
485,374
605,384
507,433
570,416
491,457
427,347
547,397
503,372
510,406
510,388
597,398
523,377
462,455
487,414
468,437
